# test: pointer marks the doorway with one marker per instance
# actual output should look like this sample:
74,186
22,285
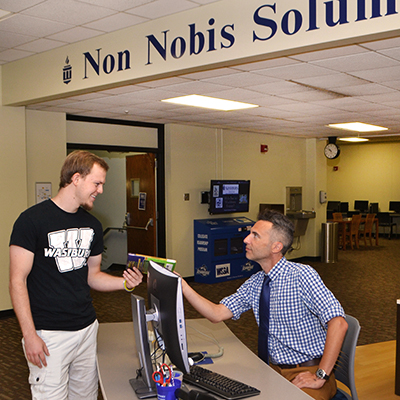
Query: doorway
112,212
141,206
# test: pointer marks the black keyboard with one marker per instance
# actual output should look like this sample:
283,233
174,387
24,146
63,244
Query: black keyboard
218,384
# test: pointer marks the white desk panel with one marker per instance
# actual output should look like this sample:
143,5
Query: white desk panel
118,361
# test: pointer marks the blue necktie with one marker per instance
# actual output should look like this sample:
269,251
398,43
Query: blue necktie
263,328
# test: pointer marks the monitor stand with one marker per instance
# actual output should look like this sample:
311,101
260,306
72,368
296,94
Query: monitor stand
141,389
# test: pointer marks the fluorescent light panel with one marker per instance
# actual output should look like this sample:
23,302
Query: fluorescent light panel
353,139
358,127
213,103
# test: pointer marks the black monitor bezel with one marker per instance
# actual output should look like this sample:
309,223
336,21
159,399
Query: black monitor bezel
358,207
213,209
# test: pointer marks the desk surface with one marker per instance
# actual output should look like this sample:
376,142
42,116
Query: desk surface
118,361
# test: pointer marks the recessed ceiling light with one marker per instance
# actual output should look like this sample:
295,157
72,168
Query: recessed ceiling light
353,139
213,103
358,127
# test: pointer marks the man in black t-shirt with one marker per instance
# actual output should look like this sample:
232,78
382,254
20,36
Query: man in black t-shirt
55,258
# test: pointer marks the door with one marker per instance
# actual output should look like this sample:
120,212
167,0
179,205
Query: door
141,205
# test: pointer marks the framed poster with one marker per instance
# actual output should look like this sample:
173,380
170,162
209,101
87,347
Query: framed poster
43,191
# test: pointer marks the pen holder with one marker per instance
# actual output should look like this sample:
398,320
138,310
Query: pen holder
168,392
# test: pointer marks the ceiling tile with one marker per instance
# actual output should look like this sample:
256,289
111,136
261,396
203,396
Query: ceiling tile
32,26
75,34
329,53
161,8
115,22
18,5
12,55
118,5
365,61
10,39
40,45
68,11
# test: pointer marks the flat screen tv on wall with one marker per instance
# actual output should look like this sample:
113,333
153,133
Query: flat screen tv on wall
229,196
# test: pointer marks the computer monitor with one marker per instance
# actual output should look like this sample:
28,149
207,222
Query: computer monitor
374,208
229,196
344,207
394,206
361,205
166,313
333,206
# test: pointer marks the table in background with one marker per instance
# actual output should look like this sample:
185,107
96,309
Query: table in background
118,361
343,225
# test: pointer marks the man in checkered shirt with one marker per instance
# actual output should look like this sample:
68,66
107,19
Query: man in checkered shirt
306,324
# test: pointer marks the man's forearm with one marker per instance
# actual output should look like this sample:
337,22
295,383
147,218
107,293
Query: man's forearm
20,300
213,312
337,328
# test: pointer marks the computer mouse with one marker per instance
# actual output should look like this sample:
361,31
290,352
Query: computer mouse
196,356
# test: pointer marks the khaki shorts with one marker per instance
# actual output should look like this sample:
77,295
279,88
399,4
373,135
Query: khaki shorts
71,371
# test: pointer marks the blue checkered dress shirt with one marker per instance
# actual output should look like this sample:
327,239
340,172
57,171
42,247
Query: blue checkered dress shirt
300,308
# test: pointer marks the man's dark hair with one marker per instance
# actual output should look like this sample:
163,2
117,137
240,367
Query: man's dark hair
79,161
282,227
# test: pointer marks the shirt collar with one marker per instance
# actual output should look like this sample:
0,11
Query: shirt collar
277,269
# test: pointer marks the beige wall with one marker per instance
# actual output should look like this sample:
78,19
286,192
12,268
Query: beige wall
13,194
366,172
196,155
46,149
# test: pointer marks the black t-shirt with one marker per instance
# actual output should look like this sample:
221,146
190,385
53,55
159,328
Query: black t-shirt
58,290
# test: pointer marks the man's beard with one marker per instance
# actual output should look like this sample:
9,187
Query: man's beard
87,206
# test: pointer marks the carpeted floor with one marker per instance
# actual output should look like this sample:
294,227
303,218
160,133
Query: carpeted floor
366,281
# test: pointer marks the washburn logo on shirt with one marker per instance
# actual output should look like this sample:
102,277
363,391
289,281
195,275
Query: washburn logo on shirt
70,248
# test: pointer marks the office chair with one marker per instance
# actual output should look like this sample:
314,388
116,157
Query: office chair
385,220
344,368
337,216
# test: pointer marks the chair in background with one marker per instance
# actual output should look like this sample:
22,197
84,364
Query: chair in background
337,216
367,229
353,231
374,208
385,220
344,368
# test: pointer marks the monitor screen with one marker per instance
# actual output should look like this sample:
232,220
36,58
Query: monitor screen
374,208
166,313
394,206
229,196
165,297
361,205
333,206
344,207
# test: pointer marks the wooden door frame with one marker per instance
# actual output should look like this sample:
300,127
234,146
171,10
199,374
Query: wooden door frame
160,155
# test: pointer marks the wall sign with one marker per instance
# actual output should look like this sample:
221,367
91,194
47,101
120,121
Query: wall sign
142,201
224,33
